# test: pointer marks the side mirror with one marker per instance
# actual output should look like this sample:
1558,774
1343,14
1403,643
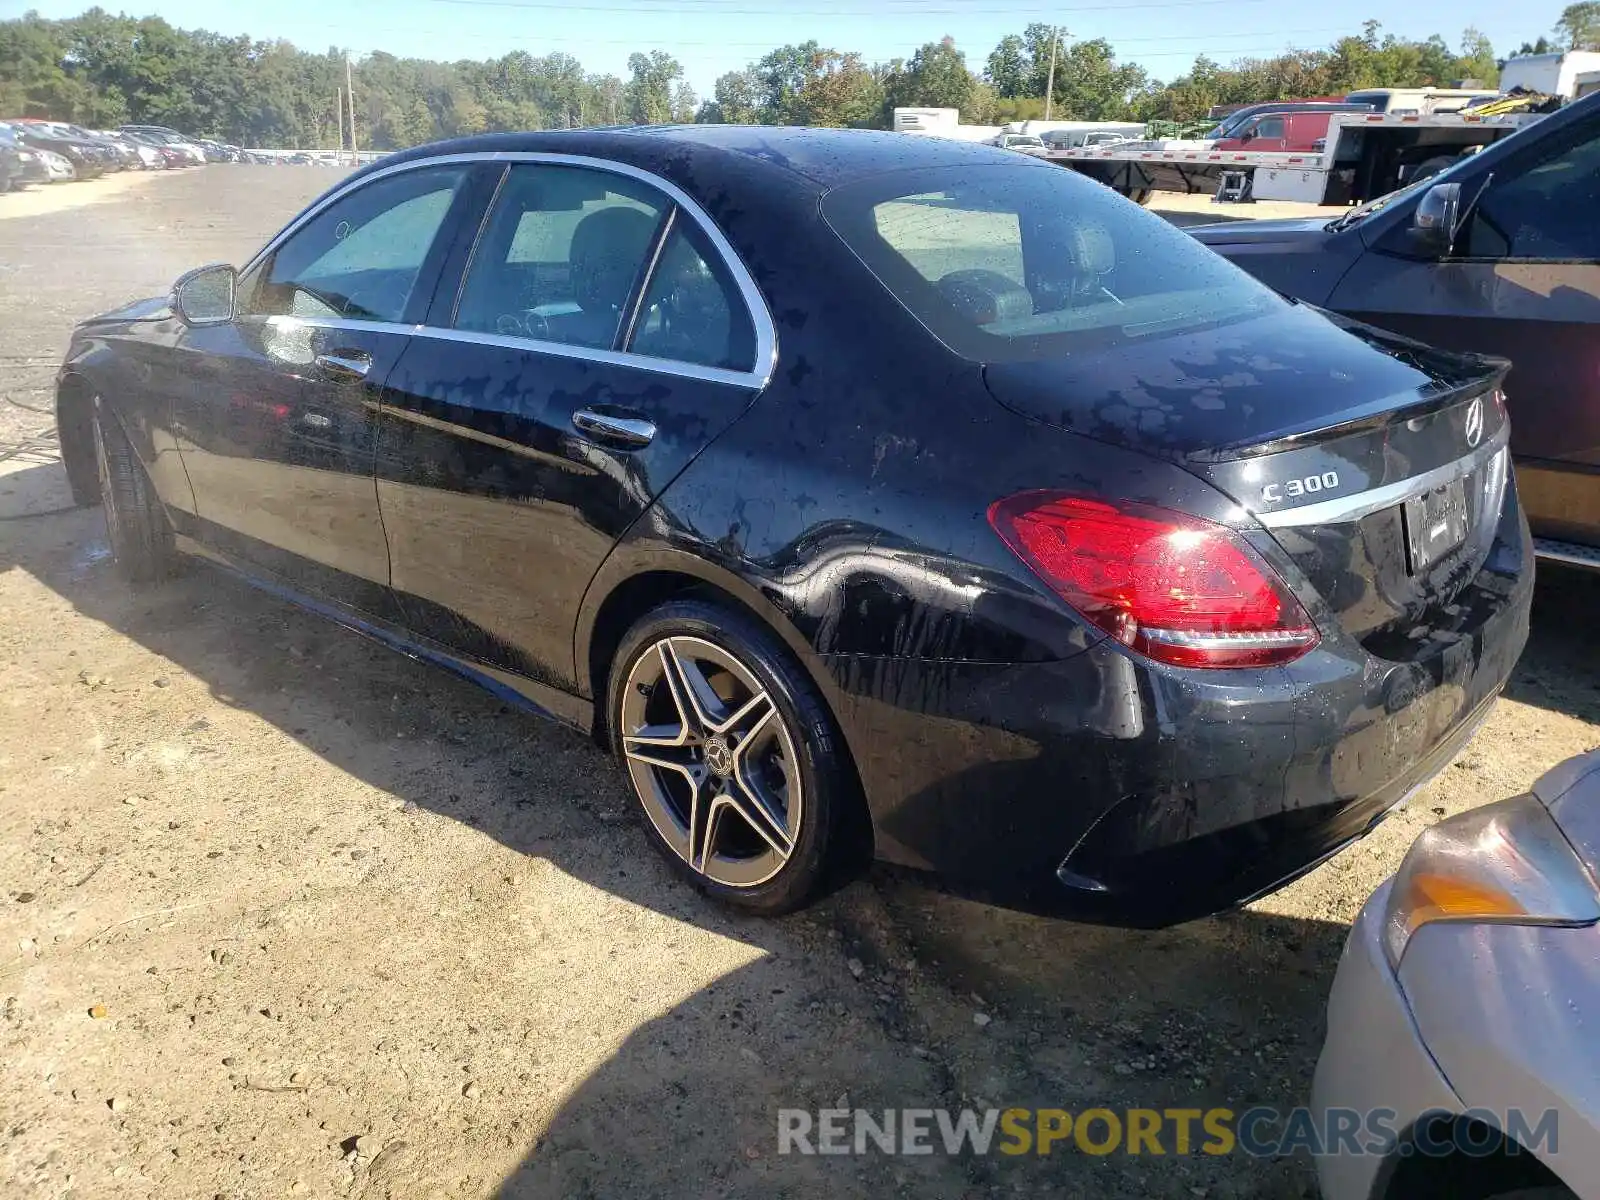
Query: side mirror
1248,135
1435,220
204,296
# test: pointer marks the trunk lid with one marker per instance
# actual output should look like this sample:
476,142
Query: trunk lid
1376,464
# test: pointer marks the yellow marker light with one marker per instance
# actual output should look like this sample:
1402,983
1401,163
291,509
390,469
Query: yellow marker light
1504,863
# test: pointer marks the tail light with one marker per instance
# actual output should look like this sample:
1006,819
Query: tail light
1175,588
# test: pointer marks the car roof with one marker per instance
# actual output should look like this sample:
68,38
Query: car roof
822,158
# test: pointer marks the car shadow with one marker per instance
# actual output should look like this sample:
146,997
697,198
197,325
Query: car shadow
912,998
1557,670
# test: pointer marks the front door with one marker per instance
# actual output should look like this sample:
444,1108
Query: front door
1524,283
278,410
598,343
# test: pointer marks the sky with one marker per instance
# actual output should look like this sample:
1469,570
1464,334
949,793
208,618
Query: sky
710,37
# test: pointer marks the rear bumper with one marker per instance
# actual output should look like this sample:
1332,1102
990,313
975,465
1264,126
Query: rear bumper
1106,788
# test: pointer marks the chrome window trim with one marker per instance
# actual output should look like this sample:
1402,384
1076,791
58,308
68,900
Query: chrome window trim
1362,504
290,320
766,334
514,342
612,358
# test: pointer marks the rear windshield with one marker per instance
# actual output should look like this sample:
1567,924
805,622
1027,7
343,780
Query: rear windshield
1004,263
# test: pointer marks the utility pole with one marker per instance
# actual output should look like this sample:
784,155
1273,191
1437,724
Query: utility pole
338,108
350,95
1050,79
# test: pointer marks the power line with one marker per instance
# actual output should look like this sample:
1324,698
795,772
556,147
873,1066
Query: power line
1116,44
714,7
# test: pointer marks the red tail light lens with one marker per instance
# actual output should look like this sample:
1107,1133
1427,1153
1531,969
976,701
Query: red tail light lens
1176,588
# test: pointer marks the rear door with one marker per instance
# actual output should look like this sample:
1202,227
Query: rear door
603,335
1524,282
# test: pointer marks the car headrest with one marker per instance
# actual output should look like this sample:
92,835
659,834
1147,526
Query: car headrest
1090,249
607,248
984,297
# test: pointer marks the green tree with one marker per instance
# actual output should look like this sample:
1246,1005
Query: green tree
1579,26
936,77
684,103
840,91
781,76
647,96
1477,60
735,100
1092,86
1009,68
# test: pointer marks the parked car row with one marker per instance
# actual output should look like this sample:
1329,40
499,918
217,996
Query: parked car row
34,150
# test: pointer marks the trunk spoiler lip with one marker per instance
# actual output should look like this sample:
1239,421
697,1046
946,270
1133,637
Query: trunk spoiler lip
1363,418
1386,495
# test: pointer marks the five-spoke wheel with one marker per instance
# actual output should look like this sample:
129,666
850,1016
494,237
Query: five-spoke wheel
729,752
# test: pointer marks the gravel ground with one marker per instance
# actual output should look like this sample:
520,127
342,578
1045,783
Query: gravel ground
283,913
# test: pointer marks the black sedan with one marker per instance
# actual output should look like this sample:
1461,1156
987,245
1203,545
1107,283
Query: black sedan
865,493
89,159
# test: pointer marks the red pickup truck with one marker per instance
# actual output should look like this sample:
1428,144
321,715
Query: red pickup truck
1286,132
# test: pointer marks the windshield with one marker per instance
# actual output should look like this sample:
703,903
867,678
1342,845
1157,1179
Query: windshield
1014,262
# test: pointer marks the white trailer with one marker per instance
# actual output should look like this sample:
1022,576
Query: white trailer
1560,74
1366,155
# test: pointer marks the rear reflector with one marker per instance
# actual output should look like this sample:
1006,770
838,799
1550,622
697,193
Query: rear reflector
1175,588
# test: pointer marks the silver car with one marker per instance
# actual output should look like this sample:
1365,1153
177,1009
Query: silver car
1463,1050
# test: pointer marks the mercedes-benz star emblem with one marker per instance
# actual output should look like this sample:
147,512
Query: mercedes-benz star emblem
1474,428
719,756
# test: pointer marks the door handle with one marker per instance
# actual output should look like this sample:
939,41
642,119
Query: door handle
347,364
629,432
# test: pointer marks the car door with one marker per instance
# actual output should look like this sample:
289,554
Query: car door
277,410
604,333
1523,281
1269,134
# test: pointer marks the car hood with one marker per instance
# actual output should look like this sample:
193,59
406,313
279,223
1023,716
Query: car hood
1233,233
156,308
1233,389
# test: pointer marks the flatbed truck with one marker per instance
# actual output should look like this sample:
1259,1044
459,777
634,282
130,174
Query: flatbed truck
1365,155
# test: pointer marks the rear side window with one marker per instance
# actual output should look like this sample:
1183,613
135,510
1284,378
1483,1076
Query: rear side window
566,247
1004,263
692,311
560,254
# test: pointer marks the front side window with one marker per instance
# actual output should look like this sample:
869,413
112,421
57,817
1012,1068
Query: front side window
1011,262
560,255
1270,127
1547,211
361,256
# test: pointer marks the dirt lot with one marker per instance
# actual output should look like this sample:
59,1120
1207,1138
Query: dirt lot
357,930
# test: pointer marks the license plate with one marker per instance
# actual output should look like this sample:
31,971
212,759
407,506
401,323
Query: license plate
1436,523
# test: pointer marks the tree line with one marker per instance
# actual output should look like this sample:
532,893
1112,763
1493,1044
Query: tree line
102,70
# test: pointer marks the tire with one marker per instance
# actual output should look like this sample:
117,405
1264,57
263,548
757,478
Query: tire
1141,196
1430,167
136,524
743,781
